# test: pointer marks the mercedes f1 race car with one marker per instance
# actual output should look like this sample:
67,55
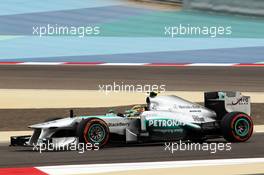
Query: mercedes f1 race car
163,118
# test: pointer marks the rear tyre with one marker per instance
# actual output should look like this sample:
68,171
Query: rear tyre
237,127
94,131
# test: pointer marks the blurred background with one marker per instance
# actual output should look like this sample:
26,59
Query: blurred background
133,31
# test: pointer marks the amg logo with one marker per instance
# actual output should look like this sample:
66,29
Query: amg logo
165,123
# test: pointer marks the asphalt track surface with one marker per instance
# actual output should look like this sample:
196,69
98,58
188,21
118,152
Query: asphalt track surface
21,157
90,77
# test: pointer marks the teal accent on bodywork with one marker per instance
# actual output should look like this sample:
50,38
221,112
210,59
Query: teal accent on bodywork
221,95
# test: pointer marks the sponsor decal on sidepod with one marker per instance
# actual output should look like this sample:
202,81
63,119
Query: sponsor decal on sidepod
164,123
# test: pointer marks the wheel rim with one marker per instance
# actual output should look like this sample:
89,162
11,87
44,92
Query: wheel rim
242,127
96,133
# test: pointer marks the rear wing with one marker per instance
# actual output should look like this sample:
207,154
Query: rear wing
223,102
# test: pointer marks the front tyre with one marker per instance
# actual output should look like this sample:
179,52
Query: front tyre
237,127
93,131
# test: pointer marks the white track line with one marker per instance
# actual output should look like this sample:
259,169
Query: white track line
213,64
122,64
259,64
105,168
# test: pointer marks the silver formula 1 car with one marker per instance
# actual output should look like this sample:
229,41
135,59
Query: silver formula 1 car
163,118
